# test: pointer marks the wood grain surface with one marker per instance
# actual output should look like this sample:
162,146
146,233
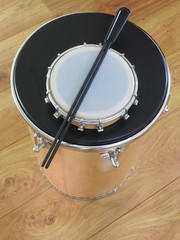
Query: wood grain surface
148,205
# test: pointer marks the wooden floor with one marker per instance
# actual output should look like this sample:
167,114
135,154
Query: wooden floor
148,206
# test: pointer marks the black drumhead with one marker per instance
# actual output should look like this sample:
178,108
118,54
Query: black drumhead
39,51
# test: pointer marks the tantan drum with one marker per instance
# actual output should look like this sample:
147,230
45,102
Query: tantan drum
93,162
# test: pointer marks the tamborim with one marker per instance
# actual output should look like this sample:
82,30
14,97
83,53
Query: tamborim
112,93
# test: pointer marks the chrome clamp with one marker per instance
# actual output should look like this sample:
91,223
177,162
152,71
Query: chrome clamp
39,142
166,109
112,156
81,126
100,127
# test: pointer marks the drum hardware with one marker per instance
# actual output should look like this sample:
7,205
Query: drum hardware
100,127
57,114
133,101
81,125
136,102
39,142
112,156
166,109
126,115
47,100
113,32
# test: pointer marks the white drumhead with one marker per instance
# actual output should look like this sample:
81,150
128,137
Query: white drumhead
110,91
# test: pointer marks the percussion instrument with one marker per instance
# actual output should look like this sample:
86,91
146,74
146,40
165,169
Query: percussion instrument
116,76
128,94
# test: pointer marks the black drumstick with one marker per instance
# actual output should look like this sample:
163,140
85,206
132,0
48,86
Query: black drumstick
116,26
